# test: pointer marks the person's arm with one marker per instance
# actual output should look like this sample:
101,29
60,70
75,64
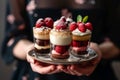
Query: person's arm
109,50
20,50
17,32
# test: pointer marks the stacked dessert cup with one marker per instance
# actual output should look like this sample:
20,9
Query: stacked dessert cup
41,35
81,35
60,39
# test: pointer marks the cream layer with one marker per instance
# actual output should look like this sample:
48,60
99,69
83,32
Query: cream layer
41,33
62,37
41,47
79,33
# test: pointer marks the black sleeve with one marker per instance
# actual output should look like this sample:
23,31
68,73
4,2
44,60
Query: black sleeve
84,78
16,28
113,21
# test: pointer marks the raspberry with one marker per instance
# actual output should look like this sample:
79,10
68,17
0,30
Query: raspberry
61,49
40,22
88,25
63,18
73,26
49,22
61,25
81,27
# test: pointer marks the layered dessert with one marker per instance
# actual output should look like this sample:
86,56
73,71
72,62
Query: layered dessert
81,35
41,35
60,39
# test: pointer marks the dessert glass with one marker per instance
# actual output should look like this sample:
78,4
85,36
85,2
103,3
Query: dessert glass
60,40
41,40
41,35
80,43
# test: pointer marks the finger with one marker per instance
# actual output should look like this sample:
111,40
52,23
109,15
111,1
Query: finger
30,59
55,71
70,71
41,69
86,70
63,68
76,72
95,47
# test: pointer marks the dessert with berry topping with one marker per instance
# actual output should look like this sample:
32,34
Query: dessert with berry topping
41,35
60,39
81,34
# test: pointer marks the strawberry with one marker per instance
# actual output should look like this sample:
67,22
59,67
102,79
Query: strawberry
48,22
61,25
73,26
61,49
40,22
88,25
81,27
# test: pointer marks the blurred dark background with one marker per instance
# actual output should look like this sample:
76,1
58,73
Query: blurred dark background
5,71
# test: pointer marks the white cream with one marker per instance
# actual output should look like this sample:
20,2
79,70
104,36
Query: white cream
42,28
69,20
60,39
41,47
79,33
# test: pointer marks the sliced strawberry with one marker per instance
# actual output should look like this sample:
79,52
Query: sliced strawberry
61,25
84,43
49,22
40,22
81,27
75,43
79,43
73,26
61,49
88,25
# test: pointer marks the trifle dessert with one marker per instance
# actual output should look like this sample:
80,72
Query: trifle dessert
60,39
41,35
81,35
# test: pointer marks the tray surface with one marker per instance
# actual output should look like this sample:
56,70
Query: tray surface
71,60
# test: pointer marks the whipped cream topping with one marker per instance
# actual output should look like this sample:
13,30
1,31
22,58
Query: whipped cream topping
79,33
41,33
69,20
55,23
42,28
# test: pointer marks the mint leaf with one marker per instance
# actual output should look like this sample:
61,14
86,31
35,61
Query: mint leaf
79,18
85,19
